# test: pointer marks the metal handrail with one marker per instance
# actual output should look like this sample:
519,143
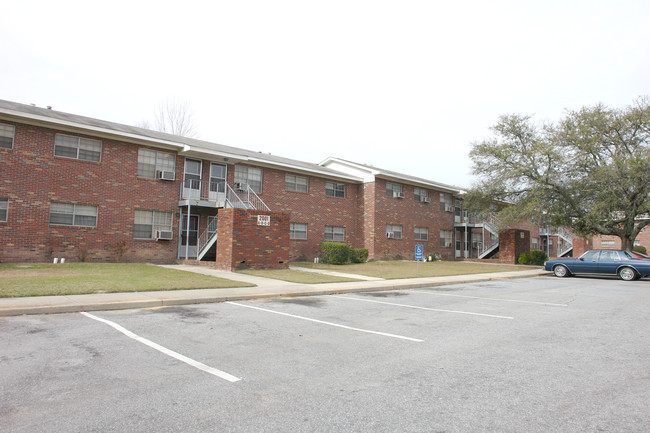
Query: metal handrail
205,239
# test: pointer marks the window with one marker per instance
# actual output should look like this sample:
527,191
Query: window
421,234
535,242
333,233
607,244
4,208
85,149
445,238
394,190
298,231
446,203
151,161
296,183
146,222
394,231
421,195
70,214
333,189
249,176
7,133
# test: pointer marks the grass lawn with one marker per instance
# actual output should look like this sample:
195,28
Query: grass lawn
298,276
409,269
39,279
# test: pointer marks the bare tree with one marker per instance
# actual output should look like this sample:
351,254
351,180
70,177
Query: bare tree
174,116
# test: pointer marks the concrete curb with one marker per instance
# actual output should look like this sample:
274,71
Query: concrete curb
136,300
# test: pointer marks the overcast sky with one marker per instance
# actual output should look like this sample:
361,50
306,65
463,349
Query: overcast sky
402,85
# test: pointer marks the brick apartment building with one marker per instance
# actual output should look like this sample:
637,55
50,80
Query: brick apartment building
85,189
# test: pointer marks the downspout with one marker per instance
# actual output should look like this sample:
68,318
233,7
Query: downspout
187,233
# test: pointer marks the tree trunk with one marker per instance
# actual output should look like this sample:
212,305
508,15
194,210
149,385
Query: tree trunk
627,243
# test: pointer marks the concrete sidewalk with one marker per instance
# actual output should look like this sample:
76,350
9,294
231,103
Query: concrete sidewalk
265,288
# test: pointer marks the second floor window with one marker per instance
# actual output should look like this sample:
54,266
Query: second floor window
250,176
70,214
421,194
150,162
446,203
7,133
394,190
333,189
85,149
296,183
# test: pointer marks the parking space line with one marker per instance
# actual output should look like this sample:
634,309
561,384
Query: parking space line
424,308
489,299
158,347
327,323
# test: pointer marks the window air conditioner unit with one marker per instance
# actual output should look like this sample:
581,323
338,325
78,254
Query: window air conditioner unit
390,235
164,235
447,244
449,208
398,194
477,245
426,200
165,175
238,186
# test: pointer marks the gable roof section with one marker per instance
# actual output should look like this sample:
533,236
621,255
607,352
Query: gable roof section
369,173
30,114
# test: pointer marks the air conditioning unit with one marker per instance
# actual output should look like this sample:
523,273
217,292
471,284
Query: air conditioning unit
390,235
426,200
477,245
165,175
398,194
447,244
449,208
238,186
164,235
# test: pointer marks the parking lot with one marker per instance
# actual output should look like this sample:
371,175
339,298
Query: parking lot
535,355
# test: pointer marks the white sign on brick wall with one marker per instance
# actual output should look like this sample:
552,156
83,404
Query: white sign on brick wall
264,220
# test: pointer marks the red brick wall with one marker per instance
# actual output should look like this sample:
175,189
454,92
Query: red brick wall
31,177
512,243
643,239
581,245
243,244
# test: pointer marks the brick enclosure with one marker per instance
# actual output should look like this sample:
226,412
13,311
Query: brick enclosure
513,243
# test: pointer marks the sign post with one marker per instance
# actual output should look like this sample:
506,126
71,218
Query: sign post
419,256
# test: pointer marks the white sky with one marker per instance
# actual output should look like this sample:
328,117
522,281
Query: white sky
402,85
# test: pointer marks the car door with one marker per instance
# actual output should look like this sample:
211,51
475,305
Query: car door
608,262
586,264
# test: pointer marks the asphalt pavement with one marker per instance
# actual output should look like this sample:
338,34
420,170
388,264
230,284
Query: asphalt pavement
264,288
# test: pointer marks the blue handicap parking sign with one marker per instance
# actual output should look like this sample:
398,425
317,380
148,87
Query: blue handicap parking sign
419,252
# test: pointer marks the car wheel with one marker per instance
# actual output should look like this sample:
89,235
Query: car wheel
627,274
561,271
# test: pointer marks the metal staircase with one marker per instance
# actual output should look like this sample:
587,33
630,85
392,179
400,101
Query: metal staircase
243,198
566,236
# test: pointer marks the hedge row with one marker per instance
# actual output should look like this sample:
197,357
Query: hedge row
339,253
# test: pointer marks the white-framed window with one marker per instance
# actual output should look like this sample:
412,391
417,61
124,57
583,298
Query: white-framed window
146,222
251,176
152,161
607,244
7,134
334,233
446,202
394,190
70,214
394,231
421,194
85,149
637,243
296,183
4,209
421,233
535,243
298,231
445,238
333,189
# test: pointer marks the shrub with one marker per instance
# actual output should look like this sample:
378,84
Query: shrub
335,253
359,255
640,249
538,257
524,259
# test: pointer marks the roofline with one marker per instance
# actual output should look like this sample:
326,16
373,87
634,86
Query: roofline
39,120
377,172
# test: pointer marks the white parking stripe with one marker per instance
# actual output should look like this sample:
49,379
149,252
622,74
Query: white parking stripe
327,323
423,308
488,299
178,356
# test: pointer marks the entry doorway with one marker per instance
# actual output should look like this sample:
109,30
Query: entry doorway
189,238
